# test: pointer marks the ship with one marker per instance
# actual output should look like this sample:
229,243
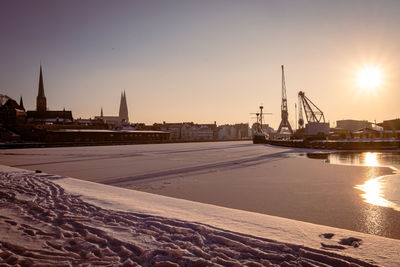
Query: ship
259,136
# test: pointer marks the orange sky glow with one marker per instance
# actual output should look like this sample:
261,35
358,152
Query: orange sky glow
202,61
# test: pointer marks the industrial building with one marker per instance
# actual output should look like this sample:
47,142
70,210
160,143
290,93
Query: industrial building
353,125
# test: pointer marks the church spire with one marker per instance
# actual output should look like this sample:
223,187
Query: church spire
41,98
21,103
101,112
41,87
123,108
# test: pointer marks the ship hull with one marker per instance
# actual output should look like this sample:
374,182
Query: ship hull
259,139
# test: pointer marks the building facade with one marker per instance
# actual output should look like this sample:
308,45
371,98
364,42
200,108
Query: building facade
353,125
391,124
10,112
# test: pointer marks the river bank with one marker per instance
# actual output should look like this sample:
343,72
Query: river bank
48,219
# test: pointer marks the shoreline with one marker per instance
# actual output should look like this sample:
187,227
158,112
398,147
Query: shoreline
340,146
352,144
23,145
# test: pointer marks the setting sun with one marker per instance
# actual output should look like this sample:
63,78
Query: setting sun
369,78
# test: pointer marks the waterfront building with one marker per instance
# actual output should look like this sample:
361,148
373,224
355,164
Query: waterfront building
203,132
235,131
317,128
105,136
110,120
224,132
188,131
175,129
198,132
10,112
391,124
353,125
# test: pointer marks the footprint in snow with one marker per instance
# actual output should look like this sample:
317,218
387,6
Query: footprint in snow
327,235
350,241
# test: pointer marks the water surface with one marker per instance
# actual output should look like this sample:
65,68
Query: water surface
382,191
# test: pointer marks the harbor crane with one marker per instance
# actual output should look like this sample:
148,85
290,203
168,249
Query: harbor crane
284,109
312,112
301,120
316,126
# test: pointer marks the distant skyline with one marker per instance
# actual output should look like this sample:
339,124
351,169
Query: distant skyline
201,61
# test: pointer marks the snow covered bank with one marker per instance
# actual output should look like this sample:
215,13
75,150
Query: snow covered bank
61,221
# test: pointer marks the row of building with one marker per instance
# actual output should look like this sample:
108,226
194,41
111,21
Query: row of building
355,125
187,131
43,124
365,129
350,129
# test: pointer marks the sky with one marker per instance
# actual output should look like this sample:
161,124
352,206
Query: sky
201,61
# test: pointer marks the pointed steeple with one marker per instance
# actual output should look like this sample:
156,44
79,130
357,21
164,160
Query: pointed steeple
41,87
101,112
41,105
21,103
123,108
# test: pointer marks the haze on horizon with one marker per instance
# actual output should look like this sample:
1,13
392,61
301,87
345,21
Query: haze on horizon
201,61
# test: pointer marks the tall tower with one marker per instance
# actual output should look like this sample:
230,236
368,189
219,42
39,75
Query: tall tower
284,110
123,109
21,104
41,98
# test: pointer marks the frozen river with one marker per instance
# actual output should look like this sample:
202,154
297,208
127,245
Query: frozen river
240,175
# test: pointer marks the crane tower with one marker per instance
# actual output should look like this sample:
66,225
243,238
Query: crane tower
284,109
316,125
313,113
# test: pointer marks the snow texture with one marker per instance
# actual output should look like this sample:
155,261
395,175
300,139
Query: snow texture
55,221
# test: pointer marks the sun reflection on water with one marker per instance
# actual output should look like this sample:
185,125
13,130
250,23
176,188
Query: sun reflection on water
373,192
373,188
371,159
379,191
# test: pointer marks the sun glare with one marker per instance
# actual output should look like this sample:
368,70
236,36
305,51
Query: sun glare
371,159
373,192
369,78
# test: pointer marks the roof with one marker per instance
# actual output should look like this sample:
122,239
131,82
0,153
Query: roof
11,103
50,114
104,131
3,99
